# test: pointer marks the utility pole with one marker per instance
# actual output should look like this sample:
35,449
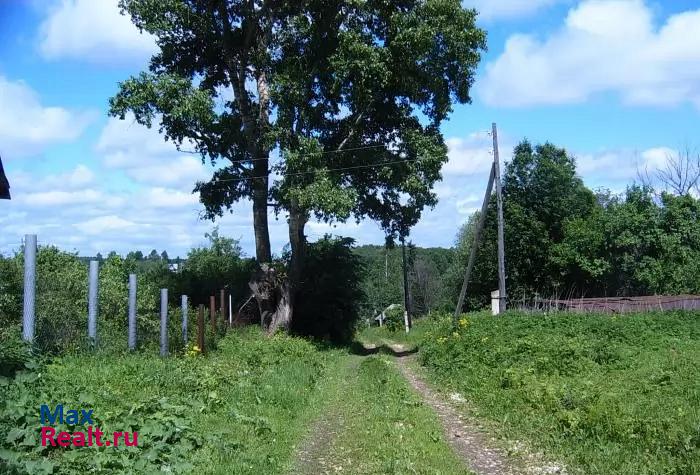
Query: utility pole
407,315
501,245
475,244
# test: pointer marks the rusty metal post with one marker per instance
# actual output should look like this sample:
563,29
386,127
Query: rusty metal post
200,328
222,305
212,312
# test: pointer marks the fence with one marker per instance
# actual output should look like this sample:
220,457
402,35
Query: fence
30,293
622,304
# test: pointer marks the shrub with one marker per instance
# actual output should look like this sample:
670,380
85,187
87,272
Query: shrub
328,302
15,354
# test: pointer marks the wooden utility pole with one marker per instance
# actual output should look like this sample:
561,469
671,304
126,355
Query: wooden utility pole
501,244
475,244
407,314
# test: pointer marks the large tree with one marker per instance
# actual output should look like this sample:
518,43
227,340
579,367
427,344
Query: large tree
541,192
346,95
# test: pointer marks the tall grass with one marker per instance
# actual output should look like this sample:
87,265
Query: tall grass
607,394
237,410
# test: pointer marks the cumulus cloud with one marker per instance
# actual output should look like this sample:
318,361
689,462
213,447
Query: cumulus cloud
94,31
508,9
146,157
27,127
615,169
603,46
468,156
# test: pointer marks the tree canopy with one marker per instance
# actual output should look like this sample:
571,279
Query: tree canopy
316,108
562,239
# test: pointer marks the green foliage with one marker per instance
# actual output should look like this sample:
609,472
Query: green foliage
636,245
10,291
15,354
607,394
562,240
395,318
238,410
330,294
376,79
211,268
382,279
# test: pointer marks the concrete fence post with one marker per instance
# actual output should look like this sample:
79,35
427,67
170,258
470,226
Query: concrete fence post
163,322
495,302
93,300
230,311
184,319
132,311
28,317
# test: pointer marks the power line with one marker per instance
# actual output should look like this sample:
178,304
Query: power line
354,149
373,165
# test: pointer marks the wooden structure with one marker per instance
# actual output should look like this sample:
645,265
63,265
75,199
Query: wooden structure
4,184
624,304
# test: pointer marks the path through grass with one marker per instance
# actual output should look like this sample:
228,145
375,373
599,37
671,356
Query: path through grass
375,424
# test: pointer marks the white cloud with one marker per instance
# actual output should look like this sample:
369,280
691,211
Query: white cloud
94,31
468,156
164,198
146,157
470,204
27,127
603,46
103,224
61,198
507,9
614,169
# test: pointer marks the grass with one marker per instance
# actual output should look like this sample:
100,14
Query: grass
605,394
246,408
383,427
238,410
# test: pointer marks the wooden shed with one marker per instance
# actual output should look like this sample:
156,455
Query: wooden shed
4,184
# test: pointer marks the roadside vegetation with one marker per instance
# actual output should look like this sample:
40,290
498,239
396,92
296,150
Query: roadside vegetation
237,410
604,394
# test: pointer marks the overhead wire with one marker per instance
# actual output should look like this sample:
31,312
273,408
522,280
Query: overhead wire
312,172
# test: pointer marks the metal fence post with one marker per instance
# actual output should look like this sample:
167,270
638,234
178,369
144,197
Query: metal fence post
184,319
28,319
132,311
163,322
93,296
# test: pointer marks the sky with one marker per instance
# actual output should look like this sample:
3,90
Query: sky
615,82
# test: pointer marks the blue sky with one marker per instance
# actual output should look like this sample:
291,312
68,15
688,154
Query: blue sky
615,82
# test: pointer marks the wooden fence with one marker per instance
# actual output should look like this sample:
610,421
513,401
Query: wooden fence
624,304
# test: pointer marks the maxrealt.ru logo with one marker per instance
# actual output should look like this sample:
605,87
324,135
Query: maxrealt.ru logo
78,417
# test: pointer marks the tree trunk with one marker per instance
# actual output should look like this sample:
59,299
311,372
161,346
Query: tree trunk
275,294
263,252
282,318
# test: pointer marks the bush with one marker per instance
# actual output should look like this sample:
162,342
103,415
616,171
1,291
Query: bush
394,320
328,302
15,354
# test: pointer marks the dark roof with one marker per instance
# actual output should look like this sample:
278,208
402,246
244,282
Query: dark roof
4,184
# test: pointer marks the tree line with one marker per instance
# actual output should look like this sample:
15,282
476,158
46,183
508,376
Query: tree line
562,239
566,240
